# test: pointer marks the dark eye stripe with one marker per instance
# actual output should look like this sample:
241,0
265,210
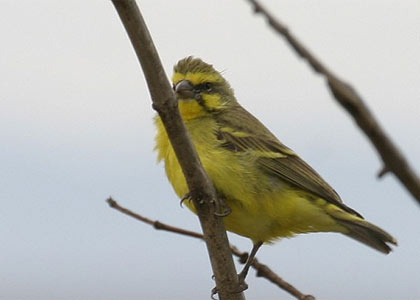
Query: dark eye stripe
207,87
201,86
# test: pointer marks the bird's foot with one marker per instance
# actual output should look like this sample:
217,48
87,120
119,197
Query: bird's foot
222,209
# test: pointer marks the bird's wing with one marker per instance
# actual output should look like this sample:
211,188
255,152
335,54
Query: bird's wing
273,157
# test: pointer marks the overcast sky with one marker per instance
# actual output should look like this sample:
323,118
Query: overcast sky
76,126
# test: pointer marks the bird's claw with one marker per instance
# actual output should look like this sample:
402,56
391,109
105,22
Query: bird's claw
222,209
224,213
242,286
187,196
213,292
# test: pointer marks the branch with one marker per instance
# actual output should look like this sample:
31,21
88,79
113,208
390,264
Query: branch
346,95
200,187
261,269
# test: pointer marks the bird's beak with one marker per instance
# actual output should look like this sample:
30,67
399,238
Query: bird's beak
184,90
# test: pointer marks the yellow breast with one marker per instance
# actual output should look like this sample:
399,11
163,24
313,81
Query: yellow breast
220,165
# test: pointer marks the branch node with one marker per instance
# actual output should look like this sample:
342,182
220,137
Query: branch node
383,172
158,225
243,258
155,106
256,9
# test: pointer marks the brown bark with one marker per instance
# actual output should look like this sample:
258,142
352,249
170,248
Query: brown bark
201,189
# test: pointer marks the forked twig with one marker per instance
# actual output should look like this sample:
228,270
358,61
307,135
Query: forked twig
261,269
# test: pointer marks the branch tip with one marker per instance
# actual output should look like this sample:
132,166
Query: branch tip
111,202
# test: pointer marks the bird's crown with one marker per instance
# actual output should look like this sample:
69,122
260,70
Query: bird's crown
192,64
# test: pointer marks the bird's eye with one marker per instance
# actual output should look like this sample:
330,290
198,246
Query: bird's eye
208,86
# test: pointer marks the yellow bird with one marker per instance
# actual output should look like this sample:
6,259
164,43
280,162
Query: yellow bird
271,191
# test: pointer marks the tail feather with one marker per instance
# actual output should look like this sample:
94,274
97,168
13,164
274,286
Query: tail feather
369,234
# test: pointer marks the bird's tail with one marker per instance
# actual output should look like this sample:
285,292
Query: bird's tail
367,233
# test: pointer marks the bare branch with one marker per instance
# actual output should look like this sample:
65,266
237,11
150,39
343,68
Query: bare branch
346,95
156,224
261,269
201,189
265,272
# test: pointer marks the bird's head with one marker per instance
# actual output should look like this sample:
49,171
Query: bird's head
200,89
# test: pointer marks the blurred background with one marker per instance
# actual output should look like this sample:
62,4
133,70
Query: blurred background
76,127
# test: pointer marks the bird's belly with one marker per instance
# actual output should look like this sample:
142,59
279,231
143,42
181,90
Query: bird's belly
262,211
283,213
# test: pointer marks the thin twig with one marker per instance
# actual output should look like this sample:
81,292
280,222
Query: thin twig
261,269
156,224
346,95
200,187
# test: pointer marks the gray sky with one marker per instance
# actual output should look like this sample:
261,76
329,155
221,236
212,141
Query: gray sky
75,127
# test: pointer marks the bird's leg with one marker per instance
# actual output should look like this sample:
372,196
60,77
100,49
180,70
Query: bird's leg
244,272
241,276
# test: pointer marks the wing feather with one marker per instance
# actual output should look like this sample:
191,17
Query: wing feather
274,157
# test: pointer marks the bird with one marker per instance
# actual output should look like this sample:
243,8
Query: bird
270,191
